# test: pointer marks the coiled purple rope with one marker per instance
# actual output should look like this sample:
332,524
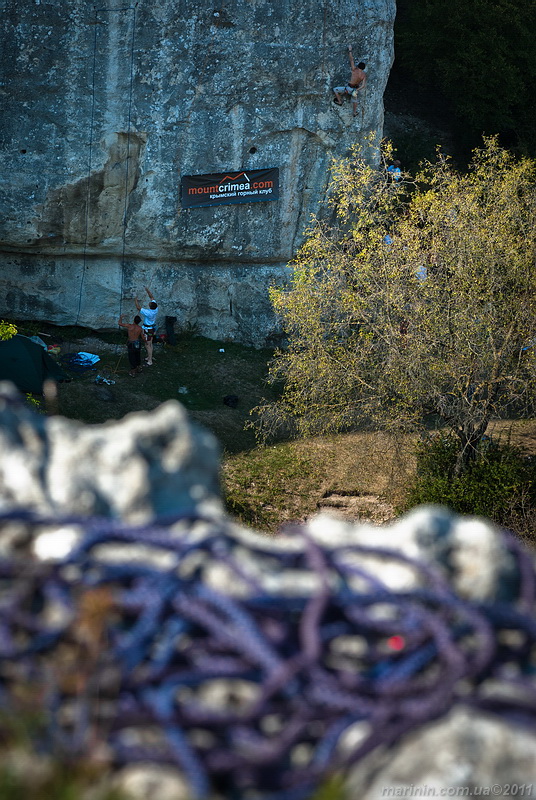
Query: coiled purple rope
168,638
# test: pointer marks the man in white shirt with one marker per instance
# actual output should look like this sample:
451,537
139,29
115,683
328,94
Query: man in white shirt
148,324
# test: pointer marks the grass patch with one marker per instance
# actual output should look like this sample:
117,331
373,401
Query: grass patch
265,487
273,485
193,371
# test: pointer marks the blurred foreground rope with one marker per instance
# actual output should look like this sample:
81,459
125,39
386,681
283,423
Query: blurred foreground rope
263,696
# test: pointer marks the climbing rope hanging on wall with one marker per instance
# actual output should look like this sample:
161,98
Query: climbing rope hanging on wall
89,167
127,162
324,26
96,23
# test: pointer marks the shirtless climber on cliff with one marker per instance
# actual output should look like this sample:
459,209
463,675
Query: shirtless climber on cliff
357,82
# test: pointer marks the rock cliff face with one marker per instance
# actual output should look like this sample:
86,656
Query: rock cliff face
109,105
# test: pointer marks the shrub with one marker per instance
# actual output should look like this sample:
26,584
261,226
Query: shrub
7,330
36,405
499,483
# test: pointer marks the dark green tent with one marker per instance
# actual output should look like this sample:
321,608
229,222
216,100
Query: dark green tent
27,364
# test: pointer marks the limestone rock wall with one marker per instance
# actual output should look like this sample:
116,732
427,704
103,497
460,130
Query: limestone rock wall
108,105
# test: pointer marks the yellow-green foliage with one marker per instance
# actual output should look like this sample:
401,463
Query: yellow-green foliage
7,330
34,404
372,341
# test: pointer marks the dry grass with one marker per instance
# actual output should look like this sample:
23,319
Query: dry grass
358,475
519,432
372,463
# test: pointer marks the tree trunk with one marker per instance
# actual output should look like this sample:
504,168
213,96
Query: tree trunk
469,436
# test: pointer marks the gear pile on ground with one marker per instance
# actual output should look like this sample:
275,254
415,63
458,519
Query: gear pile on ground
257,666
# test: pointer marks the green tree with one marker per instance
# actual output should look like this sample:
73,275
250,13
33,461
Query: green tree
433,322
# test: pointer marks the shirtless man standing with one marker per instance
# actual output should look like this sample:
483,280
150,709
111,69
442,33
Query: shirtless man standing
357,82
133,344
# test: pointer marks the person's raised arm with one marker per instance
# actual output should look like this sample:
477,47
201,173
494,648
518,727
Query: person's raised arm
138,304
121,323
351,56
149,293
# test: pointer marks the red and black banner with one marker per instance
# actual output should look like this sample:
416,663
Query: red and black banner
223,188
